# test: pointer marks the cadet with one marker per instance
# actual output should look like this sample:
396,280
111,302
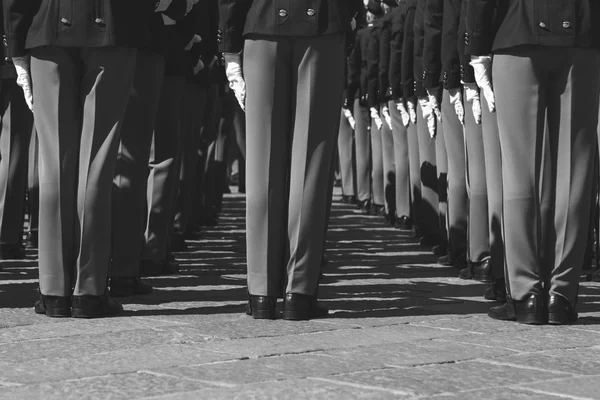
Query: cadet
86,65
287,51
545,70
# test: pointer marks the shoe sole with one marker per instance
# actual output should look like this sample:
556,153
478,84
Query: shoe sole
296,316
531,319
483,278
56,313
263,314
80,313
559,319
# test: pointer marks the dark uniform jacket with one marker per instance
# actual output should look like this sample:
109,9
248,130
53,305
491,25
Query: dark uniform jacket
496,25
283,18
467,74
441,59
76,23
385,89
357,66
373,92
402,50
419,29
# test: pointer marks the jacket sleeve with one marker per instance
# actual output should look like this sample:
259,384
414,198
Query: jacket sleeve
373,68
408,55
232,18
18,16
450,45
176,9
396,43
467,75
480,32
418,50
384,63
354,66
432,42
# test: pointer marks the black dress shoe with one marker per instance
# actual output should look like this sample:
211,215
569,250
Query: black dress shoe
12,252
128,286
404,223
301,307
496,291
561,311
261,307
380,210
465,273
482,270
53,306
445,260
364,206
94,307
529,311
177,243
348,199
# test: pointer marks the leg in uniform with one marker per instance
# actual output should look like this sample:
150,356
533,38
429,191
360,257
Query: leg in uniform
33,191
412,136
389,170
401,161
363,151
441,158
17,121
345,145
377,177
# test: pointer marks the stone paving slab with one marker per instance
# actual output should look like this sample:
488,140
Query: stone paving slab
401,327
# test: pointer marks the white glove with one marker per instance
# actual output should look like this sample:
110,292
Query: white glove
482,65
472,96
350,118
429,116
24,78
198,67
434,94
385,111
412,111
456,100
375,117
233,70
195,39
403,113
353,23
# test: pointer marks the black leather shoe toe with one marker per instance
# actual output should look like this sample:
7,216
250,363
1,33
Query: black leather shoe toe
482,271
440,250
465,273
529,311
301,307
496,291
505,312
561,311
445,260
261,307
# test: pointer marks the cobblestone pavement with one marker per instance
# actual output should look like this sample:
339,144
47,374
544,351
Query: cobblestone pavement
401,327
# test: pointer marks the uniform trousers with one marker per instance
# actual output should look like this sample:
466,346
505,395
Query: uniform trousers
363,152
17,121
33,185
389,168
377,175
345,147
412,137
294,94
80,96
194,105
458,200
401,162
164,174
429,204
441,158
558,89
479,228
493,173
129,210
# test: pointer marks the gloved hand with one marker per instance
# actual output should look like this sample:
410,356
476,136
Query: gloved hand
403,113
190,5
375,117
412,110
456,99
198,67
385,111
429,116
24,78
434,95
195,39
233,70
482,65
350,118
472,96
353,23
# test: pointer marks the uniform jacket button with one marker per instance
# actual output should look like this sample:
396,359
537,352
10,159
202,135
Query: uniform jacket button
566,24
542,24
282,13
310,12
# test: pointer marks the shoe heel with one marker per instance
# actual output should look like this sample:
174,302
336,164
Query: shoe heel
58,312
79,313
558,319
296,315
531,319
263,314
